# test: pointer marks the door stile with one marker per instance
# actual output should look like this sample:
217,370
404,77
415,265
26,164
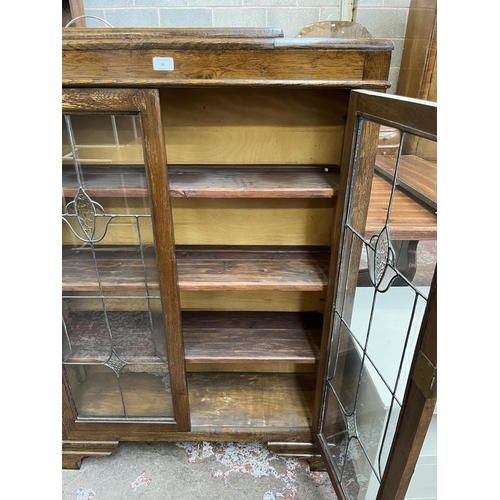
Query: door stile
161,212
355,128
335,254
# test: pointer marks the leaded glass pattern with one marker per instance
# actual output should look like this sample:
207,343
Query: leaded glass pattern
380,304
113,344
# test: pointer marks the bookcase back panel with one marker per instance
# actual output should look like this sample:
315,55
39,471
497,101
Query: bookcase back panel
206,221
252,222
254,125
253,301
219,300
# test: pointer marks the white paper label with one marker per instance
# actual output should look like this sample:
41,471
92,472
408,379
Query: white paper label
163,63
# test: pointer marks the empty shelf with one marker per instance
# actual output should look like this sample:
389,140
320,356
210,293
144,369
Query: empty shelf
207,268
209,181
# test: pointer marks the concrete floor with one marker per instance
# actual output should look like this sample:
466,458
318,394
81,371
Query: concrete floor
218,471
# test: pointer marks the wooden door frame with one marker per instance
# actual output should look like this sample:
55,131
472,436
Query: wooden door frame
405,114
145,102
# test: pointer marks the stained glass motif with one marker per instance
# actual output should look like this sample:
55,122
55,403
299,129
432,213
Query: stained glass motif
114,346
382,291
381,260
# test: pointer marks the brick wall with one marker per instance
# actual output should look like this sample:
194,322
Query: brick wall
383,18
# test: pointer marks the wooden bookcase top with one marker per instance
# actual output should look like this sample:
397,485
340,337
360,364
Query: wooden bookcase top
220,57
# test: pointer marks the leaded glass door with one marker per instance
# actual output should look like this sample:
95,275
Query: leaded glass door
122,350
379,388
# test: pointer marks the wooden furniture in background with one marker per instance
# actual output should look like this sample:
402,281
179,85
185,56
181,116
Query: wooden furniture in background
334,29
418,72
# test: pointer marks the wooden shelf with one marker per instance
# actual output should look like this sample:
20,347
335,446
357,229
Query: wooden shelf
413,217
416,175
209,337
263,181
242,402
132,339
240,337
252,268
210,181
107,181
120,270
253,126
239,403
208,268
97,392
410,218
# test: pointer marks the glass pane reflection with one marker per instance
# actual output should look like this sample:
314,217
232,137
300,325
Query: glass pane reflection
392,318
114,344
388,262
347,370
358,479
335,430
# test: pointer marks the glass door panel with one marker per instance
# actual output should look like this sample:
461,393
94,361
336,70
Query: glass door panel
386,266
115,354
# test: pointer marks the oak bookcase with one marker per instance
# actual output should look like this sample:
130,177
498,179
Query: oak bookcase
198,228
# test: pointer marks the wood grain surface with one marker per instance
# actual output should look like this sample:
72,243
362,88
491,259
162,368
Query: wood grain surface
219,402
207,181
282,126
258,337
200,268
209,337
417,176
410,219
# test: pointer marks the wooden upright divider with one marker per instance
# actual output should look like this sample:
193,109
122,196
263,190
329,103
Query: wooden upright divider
253,129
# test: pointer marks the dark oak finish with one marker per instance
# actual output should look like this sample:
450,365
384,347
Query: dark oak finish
302,451
210,181
411,219
247,268
115,58
407,118
251,337
209,337
254,182
418,71
74,451
416,175
222,144
201,268
129,37
337,238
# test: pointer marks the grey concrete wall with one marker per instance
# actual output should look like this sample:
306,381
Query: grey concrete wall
383,18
